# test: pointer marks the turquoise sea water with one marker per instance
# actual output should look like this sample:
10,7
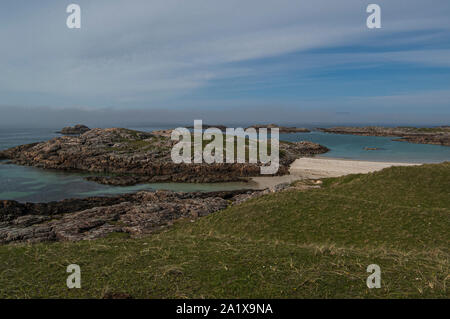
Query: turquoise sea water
36,185
353,147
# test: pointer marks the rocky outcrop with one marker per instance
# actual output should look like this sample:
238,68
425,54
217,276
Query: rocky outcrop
186,173
435,135
132,157
75,130
436,139
90,218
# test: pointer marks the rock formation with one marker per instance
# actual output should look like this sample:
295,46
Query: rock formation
131,157
435,135
90,218
74,130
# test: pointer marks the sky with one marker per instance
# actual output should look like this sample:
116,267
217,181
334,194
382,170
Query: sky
173,61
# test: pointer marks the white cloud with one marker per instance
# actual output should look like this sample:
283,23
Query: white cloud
147,52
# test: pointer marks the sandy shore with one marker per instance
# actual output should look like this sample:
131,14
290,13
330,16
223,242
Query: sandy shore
324,167
315,168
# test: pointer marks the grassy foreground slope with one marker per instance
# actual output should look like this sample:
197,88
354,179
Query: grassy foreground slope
293,244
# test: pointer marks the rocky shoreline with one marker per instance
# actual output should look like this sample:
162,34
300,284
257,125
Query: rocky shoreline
127,157
117,156
436,135
96,217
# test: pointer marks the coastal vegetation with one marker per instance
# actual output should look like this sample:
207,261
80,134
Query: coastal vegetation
298,243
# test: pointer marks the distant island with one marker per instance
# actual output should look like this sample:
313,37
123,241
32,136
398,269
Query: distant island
282,129
74,130
435,135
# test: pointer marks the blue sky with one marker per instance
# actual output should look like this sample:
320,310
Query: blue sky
264,60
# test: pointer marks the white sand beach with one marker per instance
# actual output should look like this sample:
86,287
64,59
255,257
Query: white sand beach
319,167
308,167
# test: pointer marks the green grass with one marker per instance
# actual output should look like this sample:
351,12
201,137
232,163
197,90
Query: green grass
136,143
246,142
294,244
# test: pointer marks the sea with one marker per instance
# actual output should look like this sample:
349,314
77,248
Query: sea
29,184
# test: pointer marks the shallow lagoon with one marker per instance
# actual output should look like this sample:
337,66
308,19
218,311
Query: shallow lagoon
29,184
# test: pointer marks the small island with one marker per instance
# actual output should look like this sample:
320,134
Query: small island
439,135
119,156
74,130
282,129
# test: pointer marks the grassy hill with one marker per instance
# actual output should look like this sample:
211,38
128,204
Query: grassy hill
293,244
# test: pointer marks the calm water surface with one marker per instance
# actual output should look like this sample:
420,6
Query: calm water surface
36,185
